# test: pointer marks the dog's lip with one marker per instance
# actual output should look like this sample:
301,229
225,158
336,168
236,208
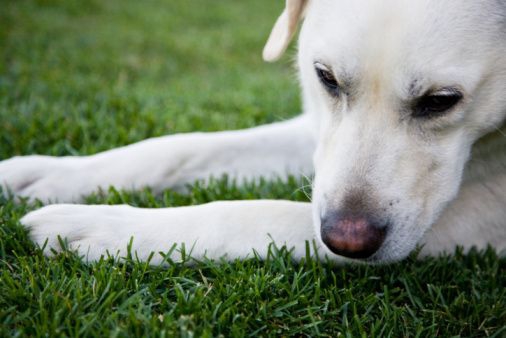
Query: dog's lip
375,259
378,258
384,256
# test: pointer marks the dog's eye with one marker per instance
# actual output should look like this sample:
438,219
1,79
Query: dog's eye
327,78
436,103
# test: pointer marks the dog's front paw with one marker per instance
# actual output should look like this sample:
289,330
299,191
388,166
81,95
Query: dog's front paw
91,230
49,179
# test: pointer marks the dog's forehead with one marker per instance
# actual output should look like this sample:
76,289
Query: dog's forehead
422,35
418,19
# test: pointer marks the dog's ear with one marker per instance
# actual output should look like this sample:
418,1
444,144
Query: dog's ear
283,30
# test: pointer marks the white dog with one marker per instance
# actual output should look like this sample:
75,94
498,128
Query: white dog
404,105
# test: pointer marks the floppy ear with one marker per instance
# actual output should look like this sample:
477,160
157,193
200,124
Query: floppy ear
283,30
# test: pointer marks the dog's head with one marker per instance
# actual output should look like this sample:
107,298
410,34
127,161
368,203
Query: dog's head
401,91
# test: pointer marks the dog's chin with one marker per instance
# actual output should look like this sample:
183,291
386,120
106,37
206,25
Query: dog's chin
392,251
383,257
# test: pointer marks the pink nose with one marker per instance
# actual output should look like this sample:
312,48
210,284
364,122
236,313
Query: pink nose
352,236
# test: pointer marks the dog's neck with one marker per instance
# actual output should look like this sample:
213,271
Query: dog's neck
488,157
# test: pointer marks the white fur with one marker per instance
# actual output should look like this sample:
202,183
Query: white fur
441,182
173,161
213,230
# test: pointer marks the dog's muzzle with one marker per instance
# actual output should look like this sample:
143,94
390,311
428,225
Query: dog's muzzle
353,236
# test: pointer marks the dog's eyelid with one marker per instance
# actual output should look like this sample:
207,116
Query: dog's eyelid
446,91
322,66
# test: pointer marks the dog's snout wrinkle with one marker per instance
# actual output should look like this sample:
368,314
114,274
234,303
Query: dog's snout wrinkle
353,236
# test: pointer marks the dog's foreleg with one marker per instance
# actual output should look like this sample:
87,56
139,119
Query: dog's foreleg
165,162
231,228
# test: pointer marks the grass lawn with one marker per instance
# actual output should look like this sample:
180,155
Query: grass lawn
78,77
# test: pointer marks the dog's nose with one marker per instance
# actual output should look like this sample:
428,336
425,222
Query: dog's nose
351,235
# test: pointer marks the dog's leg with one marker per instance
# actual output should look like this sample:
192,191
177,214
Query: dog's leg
172,161
231,228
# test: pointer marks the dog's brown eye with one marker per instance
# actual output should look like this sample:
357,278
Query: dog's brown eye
435,104
327,78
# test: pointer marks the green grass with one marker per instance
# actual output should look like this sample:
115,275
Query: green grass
77,77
